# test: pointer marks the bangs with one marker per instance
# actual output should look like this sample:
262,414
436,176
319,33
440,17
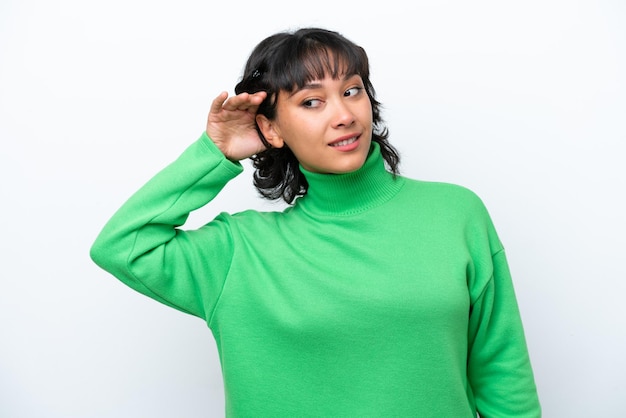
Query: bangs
315,61
289,61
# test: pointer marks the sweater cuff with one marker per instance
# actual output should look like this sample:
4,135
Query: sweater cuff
233,166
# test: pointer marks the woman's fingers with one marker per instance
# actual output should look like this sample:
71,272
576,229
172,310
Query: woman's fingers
218,102
242,101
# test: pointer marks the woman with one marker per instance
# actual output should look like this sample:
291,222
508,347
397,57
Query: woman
371,295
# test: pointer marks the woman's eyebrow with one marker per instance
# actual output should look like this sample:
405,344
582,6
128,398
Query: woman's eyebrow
317,84
309,86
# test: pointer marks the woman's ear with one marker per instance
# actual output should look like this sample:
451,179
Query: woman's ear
269,131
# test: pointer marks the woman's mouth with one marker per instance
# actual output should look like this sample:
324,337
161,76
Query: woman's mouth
344,142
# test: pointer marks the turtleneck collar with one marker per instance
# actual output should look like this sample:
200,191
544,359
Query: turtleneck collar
350,193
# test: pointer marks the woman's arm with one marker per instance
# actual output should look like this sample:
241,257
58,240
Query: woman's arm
499,366
142,246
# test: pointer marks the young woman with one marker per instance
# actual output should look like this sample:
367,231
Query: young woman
371,295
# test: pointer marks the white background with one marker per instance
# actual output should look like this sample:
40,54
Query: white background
523,102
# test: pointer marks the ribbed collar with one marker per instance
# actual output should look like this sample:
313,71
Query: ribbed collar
350,193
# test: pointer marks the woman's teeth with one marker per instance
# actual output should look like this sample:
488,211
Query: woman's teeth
344,142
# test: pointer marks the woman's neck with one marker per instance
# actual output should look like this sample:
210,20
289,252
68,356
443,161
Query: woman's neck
350,193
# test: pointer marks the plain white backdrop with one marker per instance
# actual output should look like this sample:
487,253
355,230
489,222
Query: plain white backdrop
523,102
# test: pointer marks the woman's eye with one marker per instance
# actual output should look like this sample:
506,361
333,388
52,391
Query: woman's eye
311,103
353,91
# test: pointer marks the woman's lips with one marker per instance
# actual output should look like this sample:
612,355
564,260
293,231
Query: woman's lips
346,144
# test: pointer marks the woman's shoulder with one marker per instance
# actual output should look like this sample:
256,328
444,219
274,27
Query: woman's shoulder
443,191
451,203
253,218
447,199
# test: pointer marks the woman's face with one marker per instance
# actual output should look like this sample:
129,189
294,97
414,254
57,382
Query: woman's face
327,124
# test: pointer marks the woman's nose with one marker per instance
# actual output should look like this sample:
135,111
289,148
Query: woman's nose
343,115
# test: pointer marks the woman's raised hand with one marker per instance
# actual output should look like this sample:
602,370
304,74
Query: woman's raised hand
232,127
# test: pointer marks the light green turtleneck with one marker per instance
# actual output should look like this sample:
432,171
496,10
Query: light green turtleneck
372,296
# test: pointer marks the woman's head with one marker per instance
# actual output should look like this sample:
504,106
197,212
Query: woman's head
285,63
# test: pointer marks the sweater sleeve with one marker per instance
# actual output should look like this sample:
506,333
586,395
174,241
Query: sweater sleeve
143,246
499,367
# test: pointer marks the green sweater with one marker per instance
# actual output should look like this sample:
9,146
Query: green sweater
371,296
